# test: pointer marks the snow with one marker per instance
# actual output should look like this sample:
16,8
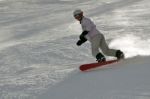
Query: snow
39,58
128,79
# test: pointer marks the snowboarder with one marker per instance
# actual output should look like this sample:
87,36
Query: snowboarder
95,37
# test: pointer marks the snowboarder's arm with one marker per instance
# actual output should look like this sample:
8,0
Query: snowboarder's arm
82,38
83,34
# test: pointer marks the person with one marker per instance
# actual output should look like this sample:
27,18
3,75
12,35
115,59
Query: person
95,37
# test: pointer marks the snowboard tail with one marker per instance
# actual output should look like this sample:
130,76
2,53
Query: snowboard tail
89,66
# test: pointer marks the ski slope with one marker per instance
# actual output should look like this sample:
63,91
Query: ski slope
128,79
39,58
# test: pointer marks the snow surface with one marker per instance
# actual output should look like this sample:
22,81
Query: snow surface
39,58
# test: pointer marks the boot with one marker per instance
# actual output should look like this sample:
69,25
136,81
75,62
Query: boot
119,54
100,57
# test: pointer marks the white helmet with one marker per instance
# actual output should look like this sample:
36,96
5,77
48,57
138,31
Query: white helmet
77,12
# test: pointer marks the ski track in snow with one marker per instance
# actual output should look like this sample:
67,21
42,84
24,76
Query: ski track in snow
38,54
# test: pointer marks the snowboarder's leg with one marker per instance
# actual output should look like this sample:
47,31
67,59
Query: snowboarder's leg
110,52
95,49
104,47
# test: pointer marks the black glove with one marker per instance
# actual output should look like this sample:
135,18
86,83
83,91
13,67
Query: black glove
79,43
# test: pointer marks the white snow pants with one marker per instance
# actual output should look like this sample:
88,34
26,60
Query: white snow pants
98,41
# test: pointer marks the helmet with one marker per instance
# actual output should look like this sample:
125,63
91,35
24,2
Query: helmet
77,12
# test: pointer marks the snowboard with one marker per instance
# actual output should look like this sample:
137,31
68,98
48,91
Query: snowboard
89,66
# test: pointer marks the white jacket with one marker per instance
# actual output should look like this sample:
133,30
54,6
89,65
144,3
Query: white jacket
88,25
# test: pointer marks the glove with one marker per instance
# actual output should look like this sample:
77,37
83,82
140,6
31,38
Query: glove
79,43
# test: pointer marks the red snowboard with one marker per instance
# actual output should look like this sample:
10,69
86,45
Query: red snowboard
85,67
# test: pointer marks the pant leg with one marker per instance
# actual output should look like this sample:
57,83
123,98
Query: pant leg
104,47
95,42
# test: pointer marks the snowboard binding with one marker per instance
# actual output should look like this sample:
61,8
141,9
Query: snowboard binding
100,57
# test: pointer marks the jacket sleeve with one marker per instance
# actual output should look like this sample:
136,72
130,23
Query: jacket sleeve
83,34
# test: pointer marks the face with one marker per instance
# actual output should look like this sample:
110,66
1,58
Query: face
78,17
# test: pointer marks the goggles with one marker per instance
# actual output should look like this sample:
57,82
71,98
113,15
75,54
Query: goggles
76,15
